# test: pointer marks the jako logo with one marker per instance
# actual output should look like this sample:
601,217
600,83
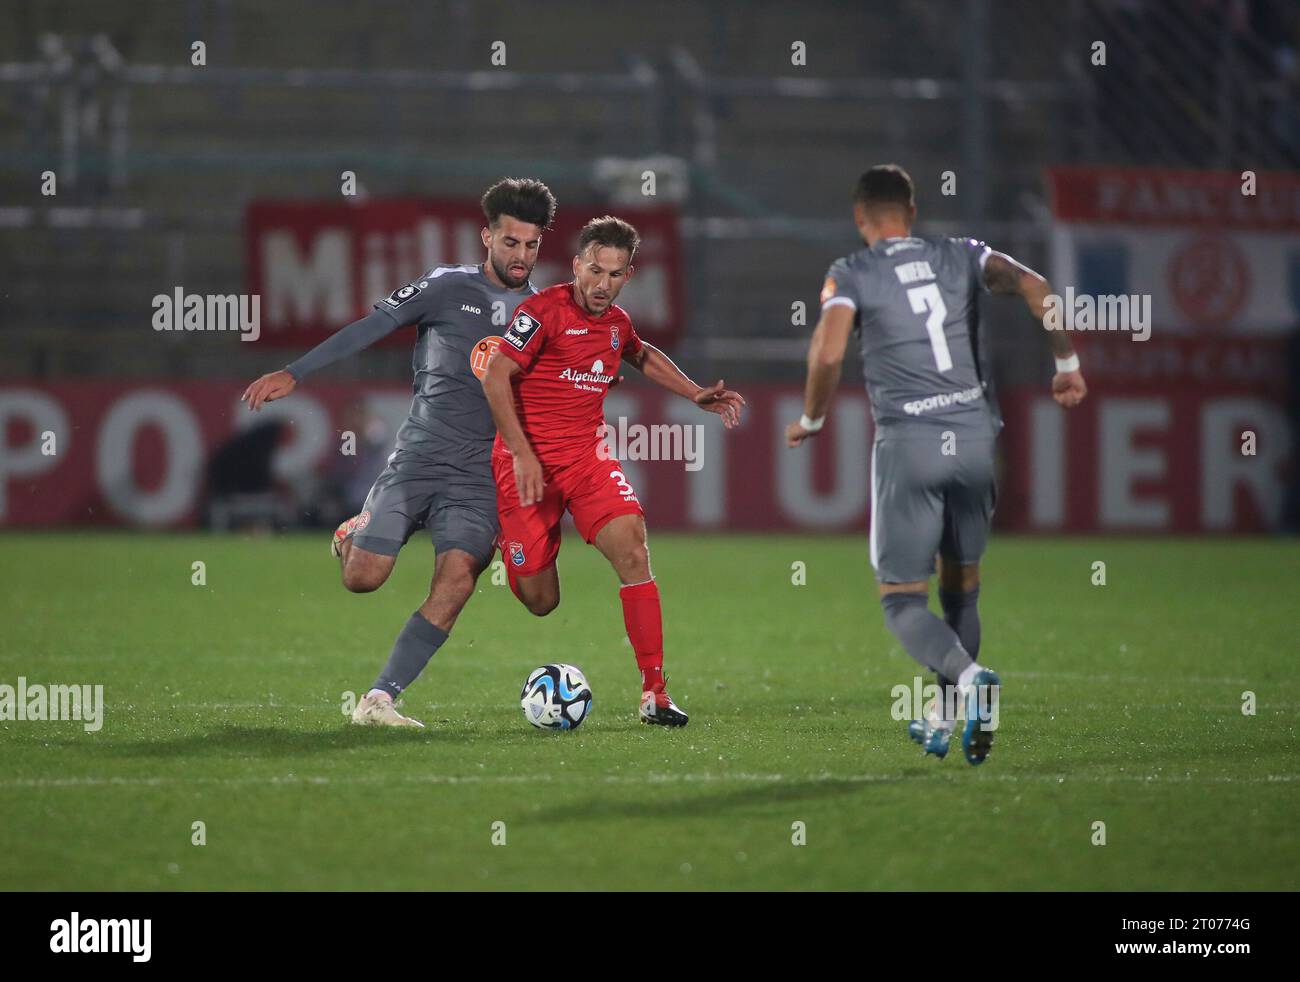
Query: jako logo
75,936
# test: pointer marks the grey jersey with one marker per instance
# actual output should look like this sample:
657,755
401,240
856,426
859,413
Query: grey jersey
917,309
454,308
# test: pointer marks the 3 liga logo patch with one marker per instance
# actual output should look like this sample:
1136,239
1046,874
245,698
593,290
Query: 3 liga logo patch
521,329
400,296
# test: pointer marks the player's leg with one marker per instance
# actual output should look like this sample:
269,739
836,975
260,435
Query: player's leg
959,591
907,477
968,515
529,539
462,526
368,543
540,593
608,515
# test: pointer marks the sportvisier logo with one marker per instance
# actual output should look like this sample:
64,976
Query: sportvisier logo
212,312
102,936
25,702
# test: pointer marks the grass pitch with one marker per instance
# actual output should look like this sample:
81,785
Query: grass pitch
1121,704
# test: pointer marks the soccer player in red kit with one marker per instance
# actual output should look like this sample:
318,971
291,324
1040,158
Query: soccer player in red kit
546,388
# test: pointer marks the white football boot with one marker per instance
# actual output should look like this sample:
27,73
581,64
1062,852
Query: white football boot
375,710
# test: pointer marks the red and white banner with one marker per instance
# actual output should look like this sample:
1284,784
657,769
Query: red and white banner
1217,252
1158,449
320,265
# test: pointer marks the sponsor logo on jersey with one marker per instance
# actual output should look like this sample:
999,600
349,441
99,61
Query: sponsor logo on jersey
466,308
516,553
399,297
523,327
362,521
828,288
577,330
613,337
481,354
596,374
943,400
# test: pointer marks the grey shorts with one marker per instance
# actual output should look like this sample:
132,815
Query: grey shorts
924,502
458,505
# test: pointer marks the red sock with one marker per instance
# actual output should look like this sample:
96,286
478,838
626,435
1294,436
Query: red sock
645,629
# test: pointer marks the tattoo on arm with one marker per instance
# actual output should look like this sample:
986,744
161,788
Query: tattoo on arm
1002,274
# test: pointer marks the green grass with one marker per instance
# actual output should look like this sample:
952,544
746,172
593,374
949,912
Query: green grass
1121,703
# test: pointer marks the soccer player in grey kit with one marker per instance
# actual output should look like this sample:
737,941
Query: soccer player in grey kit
440,474
914,303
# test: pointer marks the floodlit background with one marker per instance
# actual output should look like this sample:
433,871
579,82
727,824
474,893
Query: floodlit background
1137,598
754,118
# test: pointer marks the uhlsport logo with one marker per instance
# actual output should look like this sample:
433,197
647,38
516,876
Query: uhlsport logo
516,553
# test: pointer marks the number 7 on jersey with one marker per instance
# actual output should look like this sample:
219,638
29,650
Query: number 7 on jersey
927,298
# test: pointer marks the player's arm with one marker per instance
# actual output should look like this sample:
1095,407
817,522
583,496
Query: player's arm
498,386
660,369
1005,276
825,362
339,345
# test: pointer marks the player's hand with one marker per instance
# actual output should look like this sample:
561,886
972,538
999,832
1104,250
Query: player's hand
717,398
1068,389
528,479
268,388
796,434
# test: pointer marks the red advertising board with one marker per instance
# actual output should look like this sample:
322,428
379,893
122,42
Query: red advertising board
319,265
1151,450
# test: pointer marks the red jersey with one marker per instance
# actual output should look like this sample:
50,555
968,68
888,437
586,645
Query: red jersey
569,358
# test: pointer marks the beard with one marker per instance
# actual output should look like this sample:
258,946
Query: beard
503,274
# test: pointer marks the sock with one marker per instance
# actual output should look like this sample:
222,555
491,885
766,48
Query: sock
967,675
414,646
645,629
961,613
923,636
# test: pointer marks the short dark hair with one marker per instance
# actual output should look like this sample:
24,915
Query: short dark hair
610,231
522,198
885,185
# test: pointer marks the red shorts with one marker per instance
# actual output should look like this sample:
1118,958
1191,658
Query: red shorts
594,491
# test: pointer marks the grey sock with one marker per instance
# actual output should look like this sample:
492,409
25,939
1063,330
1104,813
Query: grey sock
962,614
925,637
414,646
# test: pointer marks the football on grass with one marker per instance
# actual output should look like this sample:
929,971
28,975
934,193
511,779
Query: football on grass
556,697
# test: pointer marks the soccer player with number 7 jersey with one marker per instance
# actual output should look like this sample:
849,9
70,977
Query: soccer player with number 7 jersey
913,303
546,388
